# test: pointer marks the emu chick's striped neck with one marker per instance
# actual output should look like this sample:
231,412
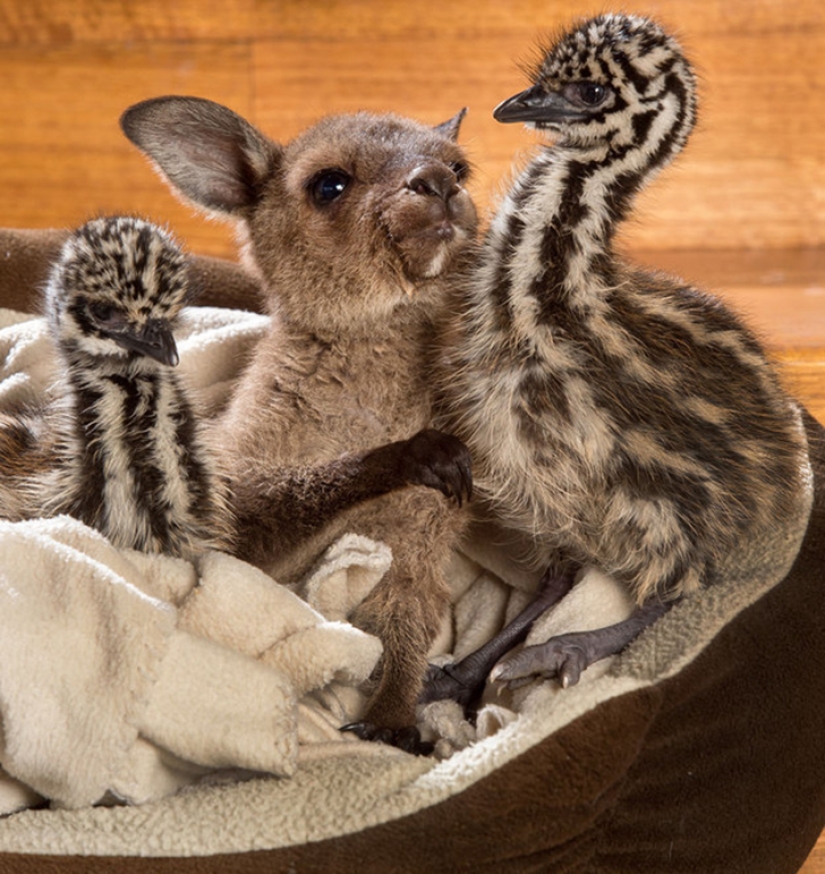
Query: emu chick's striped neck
132,464
135,458
621,97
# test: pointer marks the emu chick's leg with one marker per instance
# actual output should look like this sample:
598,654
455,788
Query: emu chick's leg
464,681
275,510
567,655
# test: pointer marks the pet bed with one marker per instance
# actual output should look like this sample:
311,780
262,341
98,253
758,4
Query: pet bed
698,749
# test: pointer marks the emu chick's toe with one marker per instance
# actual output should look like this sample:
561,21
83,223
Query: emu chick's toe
568,655
457,682
407,739
464,681
563,657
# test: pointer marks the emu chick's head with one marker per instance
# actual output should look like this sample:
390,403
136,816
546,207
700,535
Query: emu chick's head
115,291
611,80
353,219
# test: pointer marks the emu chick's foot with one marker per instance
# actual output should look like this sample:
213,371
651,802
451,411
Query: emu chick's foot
464,681
407,739
566,656
458,681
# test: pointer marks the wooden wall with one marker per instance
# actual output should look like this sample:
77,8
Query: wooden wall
753,176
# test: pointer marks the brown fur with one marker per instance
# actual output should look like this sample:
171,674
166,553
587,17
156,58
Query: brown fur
23,453
355,287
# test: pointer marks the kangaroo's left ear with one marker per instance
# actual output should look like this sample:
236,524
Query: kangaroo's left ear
204,151
451,127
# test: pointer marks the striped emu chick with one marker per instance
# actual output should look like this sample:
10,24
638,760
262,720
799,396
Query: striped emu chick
624,419
130,461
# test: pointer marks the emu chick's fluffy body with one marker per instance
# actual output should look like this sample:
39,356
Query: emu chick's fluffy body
356,230
127,456
623,418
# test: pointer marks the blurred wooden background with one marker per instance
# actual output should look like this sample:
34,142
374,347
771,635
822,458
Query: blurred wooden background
753,176
743,210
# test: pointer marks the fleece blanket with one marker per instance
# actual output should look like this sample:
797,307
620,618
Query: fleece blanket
696,749
126,676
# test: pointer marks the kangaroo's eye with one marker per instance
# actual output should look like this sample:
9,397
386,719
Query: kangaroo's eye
328,185
461,170
589,94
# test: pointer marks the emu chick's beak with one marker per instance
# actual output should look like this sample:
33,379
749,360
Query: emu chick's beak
538,106
154,339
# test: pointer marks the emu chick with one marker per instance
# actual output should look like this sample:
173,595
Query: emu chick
128,455
622,418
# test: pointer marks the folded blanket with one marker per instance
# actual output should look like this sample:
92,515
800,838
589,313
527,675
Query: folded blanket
127,675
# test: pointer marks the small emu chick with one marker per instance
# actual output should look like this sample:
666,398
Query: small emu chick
622,418
356,229
130,459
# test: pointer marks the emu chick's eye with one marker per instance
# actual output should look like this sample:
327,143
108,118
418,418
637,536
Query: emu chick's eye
328,185
586,94
103,312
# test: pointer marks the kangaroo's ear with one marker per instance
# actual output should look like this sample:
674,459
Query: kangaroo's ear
205,151
451,127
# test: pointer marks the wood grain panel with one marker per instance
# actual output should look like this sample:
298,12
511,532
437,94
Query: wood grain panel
67,22
65,158
753,175
470,19
803,372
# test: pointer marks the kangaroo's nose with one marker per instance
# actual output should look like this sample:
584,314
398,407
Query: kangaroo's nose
433,180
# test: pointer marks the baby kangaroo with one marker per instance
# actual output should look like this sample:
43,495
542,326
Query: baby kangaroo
356,230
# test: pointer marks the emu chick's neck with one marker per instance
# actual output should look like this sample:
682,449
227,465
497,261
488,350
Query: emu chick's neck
135,468
550,243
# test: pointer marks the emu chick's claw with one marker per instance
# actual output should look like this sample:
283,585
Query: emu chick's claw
561,657
464,681
567,655
407,739
439,461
